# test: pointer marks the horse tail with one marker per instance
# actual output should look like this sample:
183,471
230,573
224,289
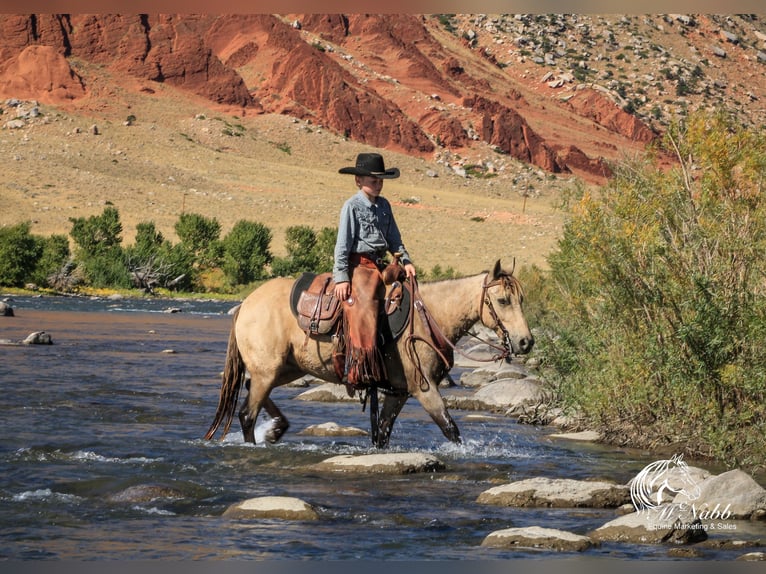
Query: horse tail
231,382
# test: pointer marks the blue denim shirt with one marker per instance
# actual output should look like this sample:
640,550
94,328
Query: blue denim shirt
368,228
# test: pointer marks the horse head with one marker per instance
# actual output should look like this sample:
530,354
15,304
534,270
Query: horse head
501,310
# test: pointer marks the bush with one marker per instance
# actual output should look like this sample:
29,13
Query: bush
54,254
99,251
154,262
19,253
659,310
199,235
306,251
246,252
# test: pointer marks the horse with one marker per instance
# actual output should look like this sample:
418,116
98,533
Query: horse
267,342
648,487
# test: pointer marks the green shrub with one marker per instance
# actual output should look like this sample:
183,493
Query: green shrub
54,254
200,235
246,252
19,253
99,251
659,310
306,251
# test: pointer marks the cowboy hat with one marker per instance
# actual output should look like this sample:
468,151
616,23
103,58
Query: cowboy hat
371,164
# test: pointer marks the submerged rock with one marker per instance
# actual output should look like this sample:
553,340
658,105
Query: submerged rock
389,463
538,538
560,493
284,507
332,429
669,523
327,393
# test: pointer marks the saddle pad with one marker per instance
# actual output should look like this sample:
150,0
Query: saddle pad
396,322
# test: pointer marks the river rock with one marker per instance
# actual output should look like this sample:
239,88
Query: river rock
327,393
332,429
668,523
753,557
493,372
144,493
537,537
5,310
284,507
734,493
557,492
585,436
388,463
38,338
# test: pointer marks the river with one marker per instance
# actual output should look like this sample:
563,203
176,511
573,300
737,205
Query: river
123,397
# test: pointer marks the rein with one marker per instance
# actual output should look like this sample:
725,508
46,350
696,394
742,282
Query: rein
438,339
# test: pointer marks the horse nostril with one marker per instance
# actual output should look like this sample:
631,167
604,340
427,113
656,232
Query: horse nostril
526,344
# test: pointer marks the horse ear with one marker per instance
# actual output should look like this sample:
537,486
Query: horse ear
497,270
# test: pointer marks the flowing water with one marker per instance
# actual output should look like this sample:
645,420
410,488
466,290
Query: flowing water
109,407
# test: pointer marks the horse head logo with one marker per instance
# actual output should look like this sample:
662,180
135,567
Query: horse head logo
660,479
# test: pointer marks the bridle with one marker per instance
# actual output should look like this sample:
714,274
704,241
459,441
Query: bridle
486,300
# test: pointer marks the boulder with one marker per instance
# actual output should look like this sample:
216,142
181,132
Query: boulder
332,429
327,393
734,493
668,523
587,436
538,538
38,338
5,310
284,507
511,394
389,463
559,493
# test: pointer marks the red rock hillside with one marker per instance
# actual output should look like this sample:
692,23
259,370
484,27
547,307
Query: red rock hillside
402,81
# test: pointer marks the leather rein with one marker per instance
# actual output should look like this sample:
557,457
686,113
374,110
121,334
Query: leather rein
438,339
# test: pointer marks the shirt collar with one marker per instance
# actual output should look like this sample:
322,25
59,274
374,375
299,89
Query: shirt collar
366,200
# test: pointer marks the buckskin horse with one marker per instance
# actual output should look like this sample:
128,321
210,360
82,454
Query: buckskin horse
267,342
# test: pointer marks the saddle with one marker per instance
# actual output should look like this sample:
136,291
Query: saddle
318,312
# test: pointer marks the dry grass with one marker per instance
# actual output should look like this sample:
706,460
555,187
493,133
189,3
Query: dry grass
181,155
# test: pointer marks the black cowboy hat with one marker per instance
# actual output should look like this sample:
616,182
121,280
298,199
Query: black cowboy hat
371,164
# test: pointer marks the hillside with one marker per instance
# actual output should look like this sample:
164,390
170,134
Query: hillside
489,117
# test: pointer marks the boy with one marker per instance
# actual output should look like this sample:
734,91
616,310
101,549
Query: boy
366,232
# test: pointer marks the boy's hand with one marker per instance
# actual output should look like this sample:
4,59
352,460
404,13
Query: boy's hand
342,291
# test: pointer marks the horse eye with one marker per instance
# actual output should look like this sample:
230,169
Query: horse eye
502,301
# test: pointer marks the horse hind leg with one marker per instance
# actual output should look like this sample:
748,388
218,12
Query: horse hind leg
279,423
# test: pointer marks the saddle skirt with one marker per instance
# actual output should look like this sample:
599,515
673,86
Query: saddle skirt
318,312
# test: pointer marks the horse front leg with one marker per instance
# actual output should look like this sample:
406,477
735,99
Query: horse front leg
392,406
433,403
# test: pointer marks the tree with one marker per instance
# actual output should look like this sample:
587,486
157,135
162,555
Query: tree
246,252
